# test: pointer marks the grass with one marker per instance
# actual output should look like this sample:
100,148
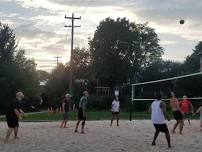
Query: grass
91,115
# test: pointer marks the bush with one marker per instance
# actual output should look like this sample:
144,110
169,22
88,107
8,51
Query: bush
99,103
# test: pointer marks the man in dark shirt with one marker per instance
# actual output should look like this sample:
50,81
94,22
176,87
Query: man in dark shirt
13,114
65,110
82,112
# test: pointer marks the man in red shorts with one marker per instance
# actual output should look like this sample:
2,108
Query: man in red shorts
187,108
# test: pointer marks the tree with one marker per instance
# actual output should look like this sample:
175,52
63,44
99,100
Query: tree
81,63
192,62
57,85
120,50
16,72
192,86
43,75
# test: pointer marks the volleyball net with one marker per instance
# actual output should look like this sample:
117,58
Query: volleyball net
142,94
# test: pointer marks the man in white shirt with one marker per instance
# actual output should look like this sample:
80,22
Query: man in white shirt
158,115
115,110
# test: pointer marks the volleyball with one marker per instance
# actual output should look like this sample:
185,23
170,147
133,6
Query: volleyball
181,21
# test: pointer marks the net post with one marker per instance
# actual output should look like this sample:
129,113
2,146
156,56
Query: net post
200,58
131,103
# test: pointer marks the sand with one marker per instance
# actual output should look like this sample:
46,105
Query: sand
135,136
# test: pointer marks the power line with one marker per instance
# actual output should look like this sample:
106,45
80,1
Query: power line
72,26
57,59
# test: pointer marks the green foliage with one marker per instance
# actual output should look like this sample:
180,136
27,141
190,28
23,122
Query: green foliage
192,62
43,75
191,86
16,72
99,103
120,49
57,85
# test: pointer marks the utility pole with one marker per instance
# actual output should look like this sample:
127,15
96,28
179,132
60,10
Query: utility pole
200,57
72,26
57,59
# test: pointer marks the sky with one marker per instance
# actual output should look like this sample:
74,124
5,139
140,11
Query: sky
40,24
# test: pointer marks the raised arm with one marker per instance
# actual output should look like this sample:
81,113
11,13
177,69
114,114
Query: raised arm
198,110
192,109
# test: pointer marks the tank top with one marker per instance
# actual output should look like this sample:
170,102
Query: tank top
157,115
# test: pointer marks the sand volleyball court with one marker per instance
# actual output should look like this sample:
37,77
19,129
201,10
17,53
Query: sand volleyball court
135,136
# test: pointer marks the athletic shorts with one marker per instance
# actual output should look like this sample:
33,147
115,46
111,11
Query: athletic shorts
80,114
115,112
65,116
12,121
161,127
177,115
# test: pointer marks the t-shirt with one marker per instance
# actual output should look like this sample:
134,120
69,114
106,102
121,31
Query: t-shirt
14,105
157,115
185,106
83,102
115,106
67,105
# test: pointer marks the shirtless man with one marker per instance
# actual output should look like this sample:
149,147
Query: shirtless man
177,112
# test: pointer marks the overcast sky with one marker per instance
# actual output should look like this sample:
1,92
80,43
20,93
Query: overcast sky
39,24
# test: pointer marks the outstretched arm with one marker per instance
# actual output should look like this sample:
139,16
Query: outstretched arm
198,110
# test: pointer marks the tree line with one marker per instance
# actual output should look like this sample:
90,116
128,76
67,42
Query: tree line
120,53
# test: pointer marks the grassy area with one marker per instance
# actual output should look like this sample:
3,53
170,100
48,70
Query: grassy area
92,115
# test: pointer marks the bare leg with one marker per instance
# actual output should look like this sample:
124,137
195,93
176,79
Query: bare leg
175,126
155,136
9,131
189,121
82,129
117,118
113,115
168,139
77,125
16,132
82,125
181,126
62,124
65,124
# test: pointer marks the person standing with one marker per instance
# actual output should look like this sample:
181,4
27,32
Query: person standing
187,108
82,111
14,113
65,110
115,107
177,112
158,115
